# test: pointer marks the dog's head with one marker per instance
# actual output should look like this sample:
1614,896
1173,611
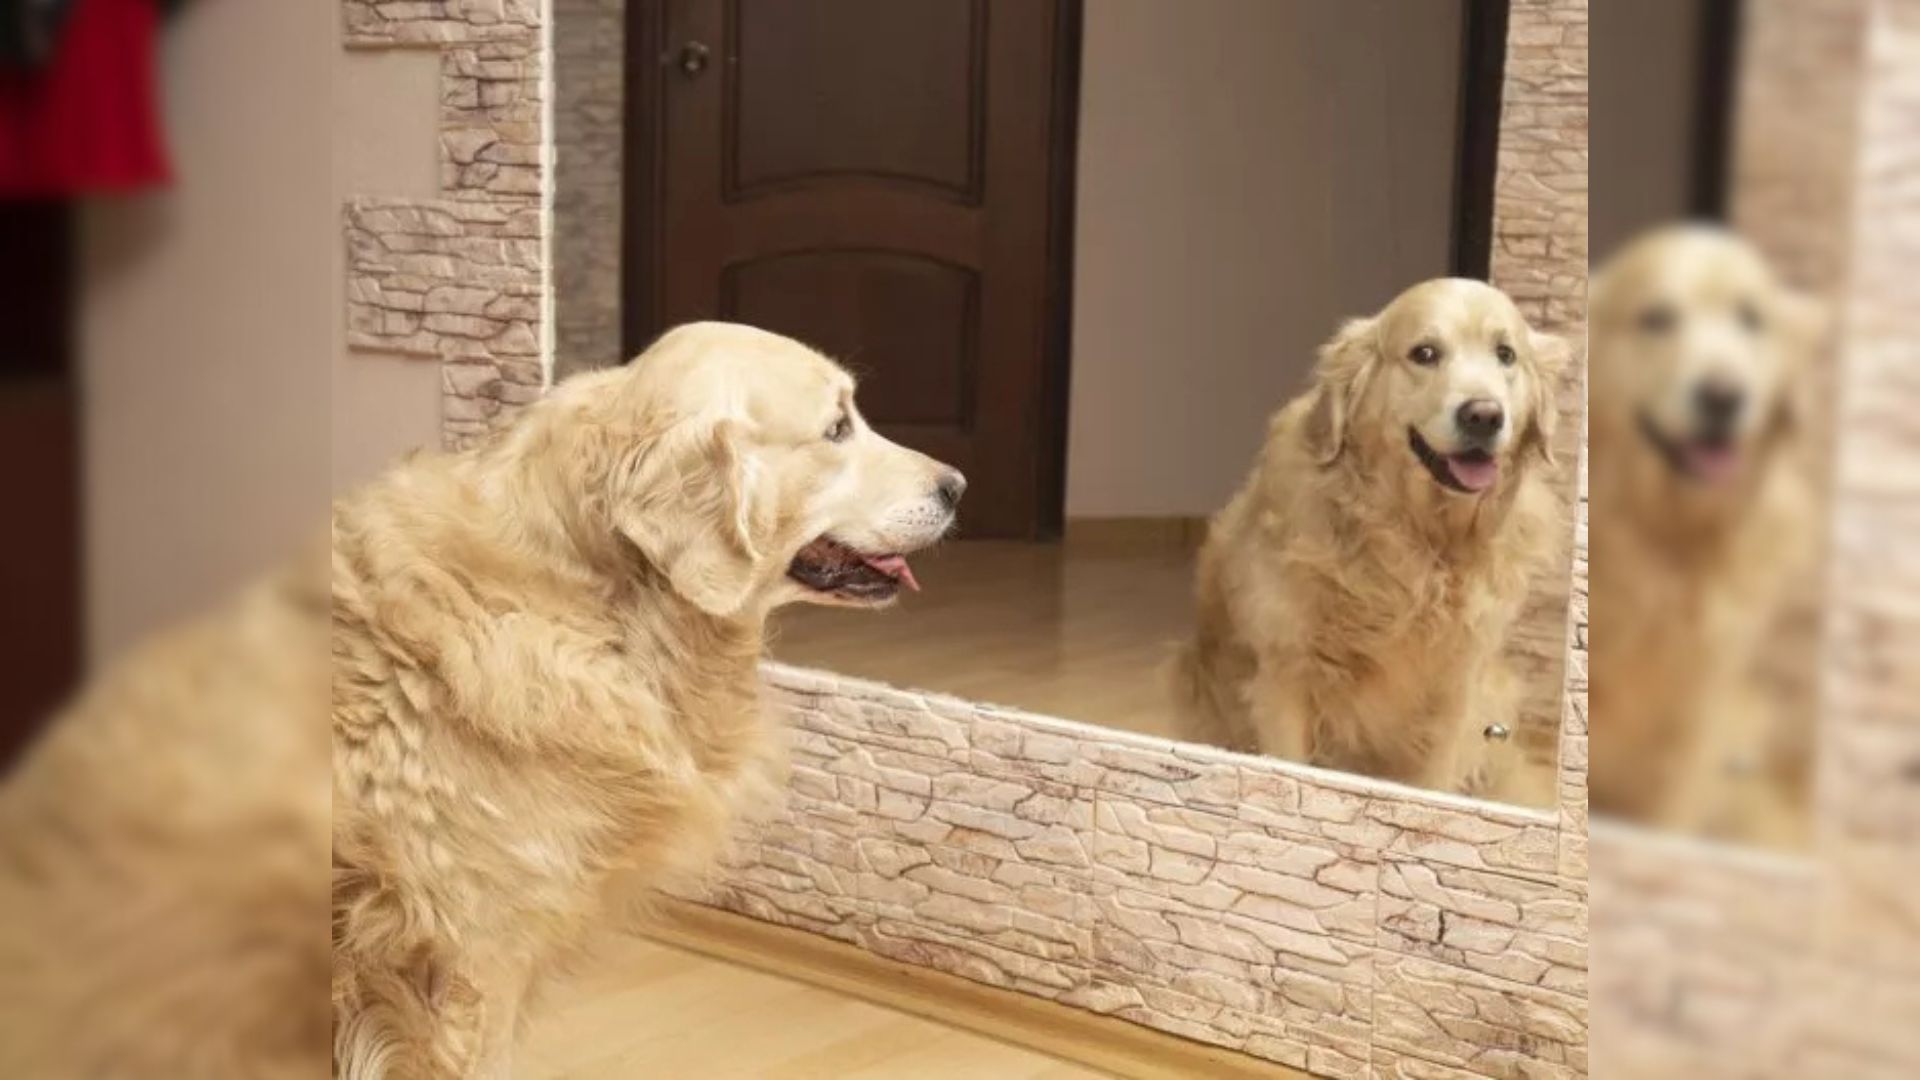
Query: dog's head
1449,380
735,461
1699,350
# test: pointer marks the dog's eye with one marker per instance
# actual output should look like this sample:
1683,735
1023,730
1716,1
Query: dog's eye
1505,354
841,430
1424,355
1658,319
1750,318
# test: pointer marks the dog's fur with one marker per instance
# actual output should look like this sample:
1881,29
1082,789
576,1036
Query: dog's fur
545,669
1351,610
163,856
1688,573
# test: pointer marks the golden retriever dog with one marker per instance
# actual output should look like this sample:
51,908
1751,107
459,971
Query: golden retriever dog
1354,596
545,667
1699,518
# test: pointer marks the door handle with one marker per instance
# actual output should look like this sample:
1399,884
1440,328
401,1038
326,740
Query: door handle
693,59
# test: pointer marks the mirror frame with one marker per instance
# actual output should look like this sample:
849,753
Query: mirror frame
1320,920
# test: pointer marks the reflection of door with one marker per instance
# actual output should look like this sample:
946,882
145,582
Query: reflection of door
885,180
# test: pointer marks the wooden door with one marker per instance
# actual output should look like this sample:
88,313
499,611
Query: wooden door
889,181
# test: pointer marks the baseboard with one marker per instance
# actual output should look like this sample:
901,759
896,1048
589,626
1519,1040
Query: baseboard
1099,1042
1136,535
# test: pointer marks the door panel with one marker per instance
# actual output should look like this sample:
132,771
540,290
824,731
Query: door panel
880,179
856,304
879,89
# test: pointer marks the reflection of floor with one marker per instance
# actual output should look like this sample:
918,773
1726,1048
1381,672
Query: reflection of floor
1069,631
1080,630
644,1009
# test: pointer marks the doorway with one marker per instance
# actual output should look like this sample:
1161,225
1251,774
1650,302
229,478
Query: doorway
890,183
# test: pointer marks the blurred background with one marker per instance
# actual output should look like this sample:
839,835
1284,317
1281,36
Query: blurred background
170,253
169,224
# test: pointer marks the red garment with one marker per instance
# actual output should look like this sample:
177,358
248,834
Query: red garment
89,121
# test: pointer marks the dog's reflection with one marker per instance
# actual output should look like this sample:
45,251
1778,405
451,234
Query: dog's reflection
1702,517
1355,595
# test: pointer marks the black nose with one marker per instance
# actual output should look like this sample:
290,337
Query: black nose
1718,403
951,486
1480,418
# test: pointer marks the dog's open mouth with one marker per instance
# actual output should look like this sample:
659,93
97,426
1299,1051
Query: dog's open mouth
1710,459
830,567
1466,471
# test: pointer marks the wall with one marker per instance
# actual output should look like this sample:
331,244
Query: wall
214,355
205,325
385,128
1250,173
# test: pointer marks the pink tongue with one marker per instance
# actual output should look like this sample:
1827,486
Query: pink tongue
894,566
1714,464
1474,474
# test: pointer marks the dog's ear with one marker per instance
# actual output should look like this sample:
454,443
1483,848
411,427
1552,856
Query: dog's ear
1552,355
1340,381
686,497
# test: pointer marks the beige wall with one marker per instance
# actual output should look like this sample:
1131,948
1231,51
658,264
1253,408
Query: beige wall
207,316
222,405
386,140
1250,173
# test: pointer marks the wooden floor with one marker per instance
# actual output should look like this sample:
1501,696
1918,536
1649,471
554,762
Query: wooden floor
1077,630
643,1009
1081,631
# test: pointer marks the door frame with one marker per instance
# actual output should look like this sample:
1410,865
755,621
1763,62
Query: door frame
1483,74
1717,74
641,268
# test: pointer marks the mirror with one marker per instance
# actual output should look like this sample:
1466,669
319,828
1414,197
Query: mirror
1783,571
1712,361
1147,275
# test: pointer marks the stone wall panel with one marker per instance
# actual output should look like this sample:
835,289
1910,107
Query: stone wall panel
463,279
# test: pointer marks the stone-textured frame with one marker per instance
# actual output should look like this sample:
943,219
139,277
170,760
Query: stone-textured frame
1325,921
465,277
1337,924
